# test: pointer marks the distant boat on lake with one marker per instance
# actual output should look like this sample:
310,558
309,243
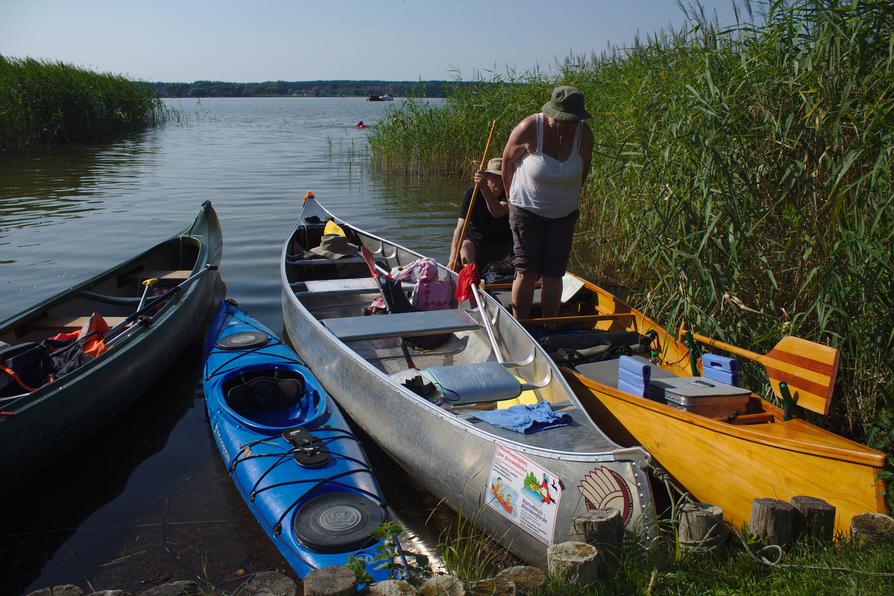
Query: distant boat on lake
374,97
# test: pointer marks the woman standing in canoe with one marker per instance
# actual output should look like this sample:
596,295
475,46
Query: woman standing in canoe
545,163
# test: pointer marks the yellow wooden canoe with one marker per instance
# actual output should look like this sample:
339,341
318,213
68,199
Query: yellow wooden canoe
726,463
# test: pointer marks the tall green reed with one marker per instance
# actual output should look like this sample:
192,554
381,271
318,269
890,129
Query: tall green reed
47,103
741,179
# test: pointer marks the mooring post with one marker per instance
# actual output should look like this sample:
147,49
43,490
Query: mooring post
604,529
773,521
702,528
576,562
814,517
871,528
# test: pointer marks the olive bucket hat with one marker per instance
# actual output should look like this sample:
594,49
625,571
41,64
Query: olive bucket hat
567,104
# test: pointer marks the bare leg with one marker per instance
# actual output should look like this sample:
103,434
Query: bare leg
550,296
467,252
523,293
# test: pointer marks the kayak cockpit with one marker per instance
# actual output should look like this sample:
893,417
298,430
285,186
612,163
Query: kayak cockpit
272,397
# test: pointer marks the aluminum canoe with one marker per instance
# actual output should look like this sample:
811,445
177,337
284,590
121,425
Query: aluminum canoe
548,476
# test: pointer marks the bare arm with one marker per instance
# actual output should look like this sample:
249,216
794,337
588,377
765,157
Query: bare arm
521,142
456,243
496,207
586,151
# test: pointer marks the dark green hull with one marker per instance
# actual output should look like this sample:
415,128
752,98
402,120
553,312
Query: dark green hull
42,425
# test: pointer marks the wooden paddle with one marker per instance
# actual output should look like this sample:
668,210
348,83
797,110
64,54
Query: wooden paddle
807,367
456,248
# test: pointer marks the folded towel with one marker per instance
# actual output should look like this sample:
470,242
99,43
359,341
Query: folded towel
525,419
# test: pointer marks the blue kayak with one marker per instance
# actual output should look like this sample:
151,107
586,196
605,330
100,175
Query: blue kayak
287,447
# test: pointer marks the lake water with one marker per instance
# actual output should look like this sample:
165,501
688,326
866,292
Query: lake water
148,499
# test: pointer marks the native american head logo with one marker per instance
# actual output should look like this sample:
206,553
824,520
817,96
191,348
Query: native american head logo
604,488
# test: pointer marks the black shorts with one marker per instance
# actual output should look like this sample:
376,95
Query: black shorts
542,245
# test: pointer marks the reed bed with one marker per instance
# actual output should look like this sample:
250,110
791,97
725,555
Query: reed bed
742,180
46,103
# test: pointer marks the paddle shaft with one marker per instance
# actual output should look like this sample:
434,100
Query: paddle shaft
158,299
486,320
458,246
728,347
803,369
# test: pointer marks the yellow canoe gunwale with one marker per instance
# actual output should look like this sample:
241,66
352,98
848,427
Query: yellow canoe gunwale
843,449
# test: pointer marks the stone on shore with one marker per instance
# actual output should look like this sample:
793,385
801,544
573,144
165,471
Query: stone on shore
526,578
392,587
492,586
63,590
267,583
183,587
337,580
443,585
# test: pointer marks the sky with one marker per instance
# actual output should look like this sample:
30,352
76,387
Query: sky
300,40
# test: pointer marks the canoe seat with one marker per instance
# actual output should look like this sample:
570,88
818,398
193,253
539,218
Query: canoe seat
358,285
301,260
69,322
406,324
167,277
474,383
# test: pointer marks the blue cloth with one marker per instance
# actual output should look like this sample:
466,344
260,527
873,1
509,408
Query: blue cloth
525,419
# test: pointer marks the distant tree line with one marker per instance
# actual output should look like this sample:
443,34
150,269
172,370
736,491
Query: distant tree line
310,88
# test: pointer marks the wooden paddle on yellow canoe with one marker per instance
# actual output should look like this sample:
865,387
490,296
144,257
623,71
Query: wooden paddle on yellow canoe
807,367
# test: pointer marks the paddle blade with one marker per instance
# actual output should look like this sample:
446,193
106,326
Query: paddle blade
809,369
370,262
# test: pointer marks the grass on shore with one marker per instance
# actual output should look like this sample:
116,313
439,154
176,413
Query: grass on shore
808,568
741,181
49,103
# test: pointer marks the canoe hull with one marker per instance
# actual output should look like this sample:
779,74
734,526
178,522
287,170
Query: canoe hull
66,412
730,467
722,463
456,460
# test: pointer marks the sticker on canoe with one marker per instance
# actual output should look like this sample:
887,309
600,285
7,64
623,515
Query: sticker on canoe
604,488
525,493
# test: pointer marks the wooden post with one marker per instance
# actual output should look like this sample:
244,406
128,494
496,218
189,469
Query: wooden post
773,521
577,562
871,528
701,528
330,581
603,528
814,518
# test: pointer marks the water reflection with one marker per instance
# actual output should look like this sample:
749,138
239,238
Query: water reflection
148,498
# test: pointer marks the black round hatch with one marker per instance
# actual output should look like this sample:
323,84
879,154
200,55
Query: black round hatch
337,522
245,340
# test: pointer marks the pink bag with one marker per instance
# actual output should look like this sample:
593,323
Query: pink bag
430,293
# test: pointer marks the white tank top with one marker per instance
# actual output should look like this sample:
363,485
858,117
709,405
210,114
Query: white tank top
546,186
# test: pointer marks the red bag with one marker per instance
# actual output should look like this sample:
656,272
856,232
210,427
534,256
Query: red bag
467,277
